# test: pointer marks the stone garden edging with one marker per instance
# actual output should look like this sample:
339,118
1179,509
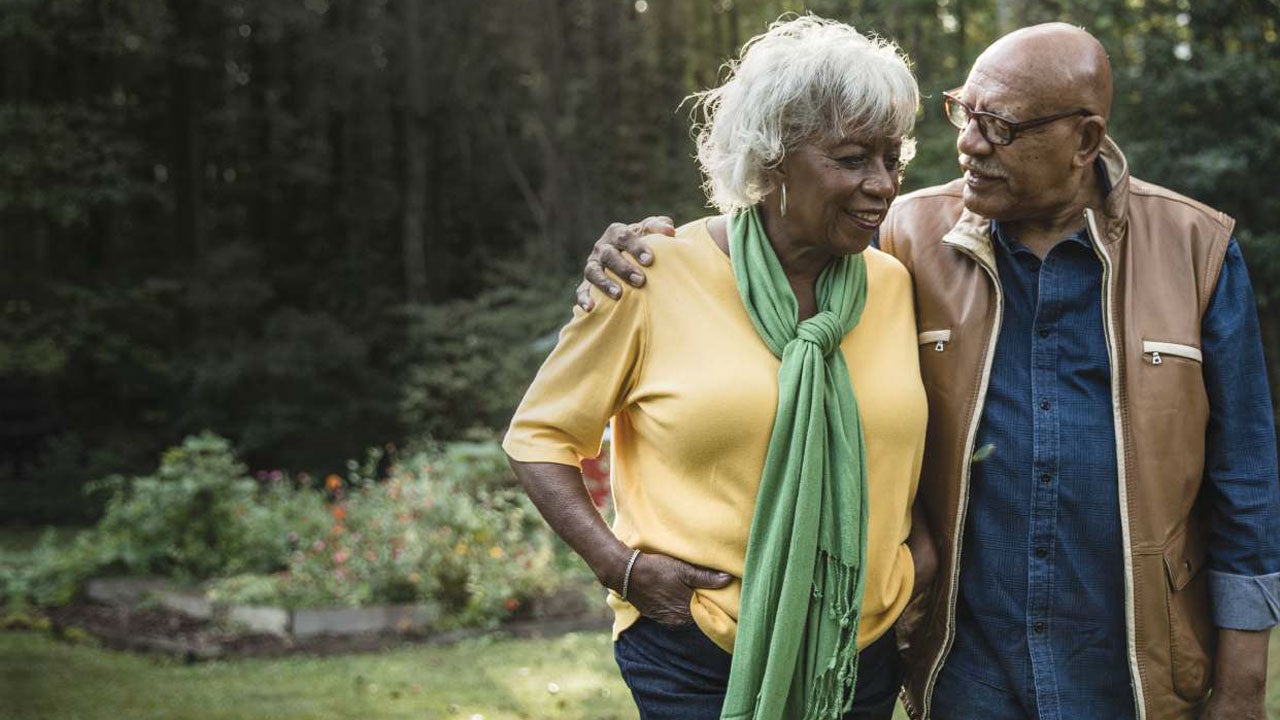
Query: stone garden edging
323,630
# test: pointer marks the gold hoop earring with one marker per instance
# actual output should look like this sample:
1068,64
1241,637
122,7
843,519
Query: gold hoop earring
782,206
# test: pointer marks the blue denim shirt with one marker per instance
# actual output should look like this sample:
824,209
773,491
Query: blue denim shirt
1040,621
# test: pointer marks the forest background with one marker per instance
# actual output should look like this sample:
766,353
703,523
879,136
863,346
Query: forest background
319,226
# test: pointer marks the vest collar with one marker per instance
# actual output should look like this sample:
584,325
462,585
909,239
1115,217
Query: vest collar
972,232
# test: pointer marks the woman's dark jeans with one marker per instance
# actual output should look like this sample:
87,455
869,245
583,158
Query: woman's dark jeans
679,673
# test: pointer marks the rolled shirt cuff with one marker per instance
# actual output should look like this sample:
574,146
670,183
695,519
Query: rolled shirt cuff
1245,602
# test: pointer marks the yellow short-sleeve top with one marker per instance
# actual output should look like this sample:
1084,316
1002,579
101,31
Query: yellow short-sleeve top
692,392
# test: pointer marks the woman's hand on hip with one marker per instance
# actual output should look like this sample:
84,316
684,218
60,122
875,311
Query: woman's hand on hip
661,587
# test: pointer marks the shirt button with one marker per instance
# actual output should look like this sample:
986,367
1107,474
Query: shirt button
1046,478
1044,405
1044,332
1039,628
1041,552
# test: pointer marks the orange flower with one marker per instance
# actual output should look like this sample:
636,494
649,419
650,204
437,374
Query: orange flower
339,513
332,482
511,604
495,552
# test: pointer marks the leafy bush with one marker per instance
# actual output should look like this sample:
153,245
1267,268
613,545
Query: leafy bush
449,528
200,515
50,574
469,361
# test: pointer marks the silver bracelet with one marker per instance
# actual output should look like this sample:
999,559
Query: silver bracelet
626,577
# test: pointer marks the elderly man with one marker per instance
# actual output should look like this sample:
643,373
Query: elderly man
1100,472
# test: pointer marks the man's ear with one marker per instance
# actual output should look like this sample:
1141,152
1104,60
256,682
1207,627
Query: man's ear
1093,130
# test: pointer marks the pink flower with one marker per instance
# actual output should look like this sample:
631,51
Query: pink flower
340,557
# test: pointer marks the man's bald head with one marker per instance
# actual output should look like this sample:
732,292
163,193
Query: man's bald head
1053,66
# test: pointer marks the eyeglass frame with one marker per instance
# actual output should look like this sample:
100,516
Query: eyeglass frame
1014,127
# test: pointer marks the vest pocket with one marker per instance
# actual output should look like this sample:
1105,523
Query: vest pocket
1191,633
937,338
1156,351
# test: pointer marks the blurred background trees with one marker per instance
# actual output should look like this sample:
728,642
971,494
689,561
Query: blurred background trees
315,226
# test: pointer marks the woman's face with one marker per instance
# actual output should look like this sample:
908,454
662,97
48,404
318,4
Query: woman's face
839,190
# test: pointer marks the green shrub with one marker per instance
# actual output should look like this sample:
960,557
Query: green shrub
50,574
449,528
200,515
468,362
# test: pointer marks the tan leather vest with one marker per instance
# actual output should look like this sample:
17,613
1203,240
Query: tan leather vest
1161,254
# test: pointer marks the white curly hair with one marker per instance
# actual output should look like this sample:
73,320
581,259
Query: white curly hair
806,79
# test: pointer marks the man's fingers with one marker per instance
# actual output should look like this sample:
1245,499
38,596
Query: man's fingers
583,294
639,249
660,224
621,266
596,276
616,236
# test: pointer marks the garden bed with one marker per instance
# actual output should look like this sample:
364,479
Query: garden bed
211,561
145,615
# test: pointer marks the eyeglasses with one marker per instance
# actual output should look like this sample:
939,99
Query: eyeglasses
993,128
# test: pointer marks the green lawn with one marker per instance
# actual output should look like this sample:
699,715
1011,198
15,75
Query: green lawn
571,677
494,678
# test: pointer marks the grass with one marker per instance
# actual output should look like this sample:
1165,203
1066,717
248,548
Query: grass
492,678
569,677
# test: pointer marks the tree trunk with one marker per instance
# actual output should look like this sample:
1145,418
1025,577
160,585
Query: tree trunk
187,147
415,185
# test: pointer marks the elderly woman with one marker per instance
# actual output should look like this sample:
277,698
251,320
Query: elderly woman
768,414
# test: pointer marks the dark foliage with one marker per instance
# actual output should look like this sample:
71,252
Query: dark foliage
314,226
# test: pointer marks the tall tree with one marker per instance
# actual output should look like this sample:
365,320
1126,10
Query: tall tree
414,193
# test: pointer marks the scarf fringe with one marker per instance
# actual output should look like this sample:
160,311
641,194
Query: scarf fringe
833,689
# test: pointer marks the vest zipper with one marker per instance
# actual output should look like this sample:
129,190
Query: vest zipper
1154,348
970,441
1108,276
939,338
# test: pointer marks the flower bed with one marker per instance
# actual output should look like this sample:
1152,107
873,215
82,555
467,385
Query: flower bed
449,531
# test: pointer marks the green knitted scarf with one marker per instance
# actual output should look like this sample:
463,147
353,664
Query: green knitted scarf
796,652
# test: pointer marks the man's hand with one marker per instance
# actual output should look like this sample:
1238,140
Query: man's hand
608,253
1240,676
661,586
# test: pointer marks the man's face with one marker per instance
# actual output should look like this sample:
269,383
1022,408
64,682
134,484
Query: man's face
1029,179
